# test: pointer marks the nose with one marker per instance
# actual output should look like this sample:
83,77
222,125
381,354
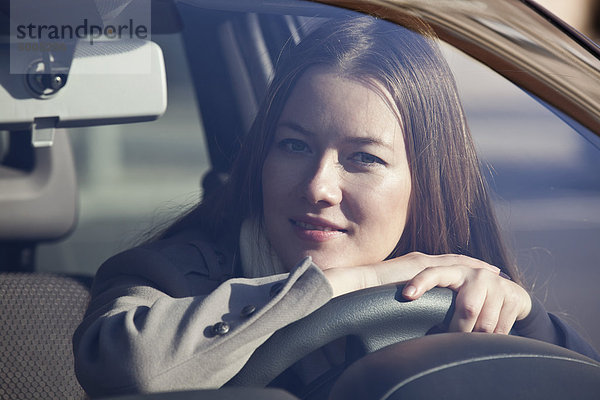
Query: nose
323,185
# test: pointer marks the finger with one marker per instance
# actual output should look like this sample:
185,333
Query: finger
397,270
517,304
420,262
488,318
506,319
451,277
469,303
459,259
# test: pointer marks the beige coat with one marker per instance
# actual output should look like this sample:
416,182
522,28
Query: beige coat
155,321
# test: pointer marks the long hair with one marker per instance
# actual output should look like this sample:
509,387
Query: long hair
449,209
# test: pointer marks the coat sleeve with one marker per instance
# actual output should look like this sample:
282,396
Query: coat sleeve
541,325
149,325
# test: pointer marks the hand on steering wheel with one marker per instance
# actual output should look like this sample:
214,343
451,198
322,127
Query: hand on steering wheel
381,315
486,301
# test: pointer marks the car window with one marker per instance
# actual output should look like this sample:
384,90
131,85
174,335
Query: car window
547,189
134,178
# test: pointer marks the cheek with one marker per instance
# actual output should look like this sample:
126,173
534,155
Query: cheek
278,181
385,208
269,183
283,175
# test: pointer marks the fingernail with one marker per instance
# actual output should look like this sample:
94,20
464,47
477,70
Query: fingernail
410,291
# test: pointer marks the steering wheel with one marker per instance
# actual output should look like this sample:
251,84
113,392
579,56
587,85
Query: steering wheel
376,317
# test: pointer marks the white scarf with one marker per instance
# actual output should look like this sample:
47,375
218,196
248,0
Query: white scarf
257,255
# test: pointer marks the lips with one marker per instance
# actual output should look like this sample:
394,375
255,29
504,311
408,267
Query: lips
312,227
316,224
316,230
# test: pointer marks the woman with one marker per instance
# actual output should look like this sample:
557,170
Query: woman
359,171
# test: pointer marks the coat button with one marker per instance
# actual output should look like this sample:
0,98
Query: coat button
248,310
220,328
275,289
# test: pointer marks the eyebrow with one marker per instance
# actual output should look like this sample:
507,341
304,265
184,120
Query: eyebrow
367,140
359,140
296,127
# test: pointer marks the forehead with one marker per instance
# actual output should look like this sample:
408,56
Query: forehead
324,98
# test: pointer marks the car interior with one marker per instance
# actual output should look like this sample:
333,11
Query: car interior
85,165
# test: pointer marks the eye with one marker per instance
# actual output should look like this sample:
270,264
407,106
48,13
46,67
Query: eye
294,146
367,159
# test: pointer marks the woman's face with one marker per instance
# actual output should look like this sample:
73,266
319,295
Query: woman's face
336,181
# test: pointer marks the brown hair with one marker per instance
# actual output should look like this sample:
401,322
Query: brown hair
449,208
